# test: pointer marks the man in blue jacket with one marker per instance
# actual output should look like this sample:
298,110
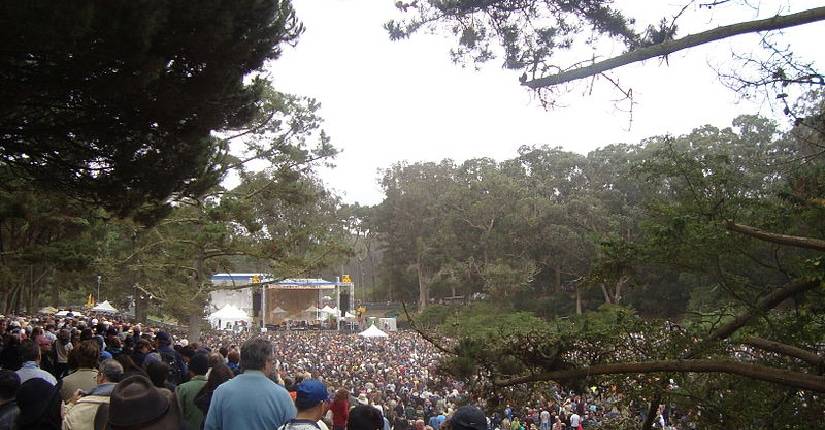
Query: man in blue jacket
251,400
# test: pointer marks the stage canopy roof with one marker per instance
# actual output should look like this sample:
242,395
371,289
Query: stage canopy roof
373,332
105,307
243,279
227,314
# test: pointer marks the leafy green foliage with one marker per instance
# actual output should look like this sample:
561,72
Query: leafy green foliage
662,233
115,102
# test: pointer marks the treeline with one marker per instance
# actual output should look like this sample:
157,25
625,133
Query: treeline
666,226
116,148
281,220
684,271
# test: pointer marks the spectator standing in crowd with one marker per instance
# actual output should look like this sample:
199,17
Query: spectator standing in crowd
81,409
365,417
251,400
142,348
218,374
437,419
136,403
177,367
468,418
311,402
62,347
40,406
575,420
85,376
30,355
340,409
158,372
544,418
9,384
10,356
187,391
233,359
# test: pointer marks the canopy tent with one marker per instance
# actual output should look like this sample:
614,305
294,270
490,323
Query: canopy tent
65,313
104,307
278,311
330,311
373,333
348,315
228,314
48,310
311,310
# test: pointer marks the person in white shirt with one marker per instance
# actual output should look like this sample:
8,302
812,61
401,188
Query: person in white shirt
575,420
545,420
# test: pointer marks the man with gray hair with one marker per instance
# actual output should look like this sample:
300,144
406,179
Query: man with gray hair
81,409
251,400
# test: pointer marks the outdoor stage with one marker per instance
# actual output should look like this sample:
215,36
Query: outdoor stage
272,302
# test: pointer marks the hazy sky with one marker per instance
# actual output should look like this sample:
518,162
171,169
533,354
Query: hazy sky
385,102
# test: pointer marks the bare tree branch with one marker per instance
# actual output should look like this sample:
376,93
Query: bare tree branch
753,371
423,334
768,302
675,45
785,349
778,238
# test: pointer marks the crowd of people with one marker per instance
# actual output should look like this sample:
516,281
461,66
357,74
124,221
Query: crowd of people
99,373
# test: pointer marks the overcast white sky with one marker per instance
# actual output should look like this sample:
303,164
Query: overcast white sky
385,102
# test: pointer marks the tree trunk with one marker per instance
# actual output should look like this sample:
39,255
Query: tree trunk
607,299
55,289
556,279
617,296
195,321
423,288
578,301
140,307
196,317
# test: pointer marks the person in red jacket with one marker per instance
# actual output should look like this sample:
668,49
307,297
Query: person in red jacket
340,409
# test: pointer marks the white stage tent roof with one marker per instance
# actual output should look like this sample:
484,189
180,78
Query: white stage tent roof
230,314
373,332
104,307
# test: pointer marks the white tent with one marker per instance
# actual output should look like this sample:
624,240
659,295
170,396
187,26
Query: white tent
278,311
328,311
105,307
373,332
348,315
64,313
228,314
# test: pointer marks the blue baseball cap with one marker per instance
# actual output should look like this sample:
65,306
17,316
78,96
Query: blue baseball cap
310,393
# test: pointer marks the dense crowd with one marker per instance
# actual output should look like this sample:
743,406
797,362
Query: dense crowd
98,373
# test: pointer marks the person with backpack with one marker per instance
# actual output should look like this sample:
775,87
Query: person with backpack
186,392
178,373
